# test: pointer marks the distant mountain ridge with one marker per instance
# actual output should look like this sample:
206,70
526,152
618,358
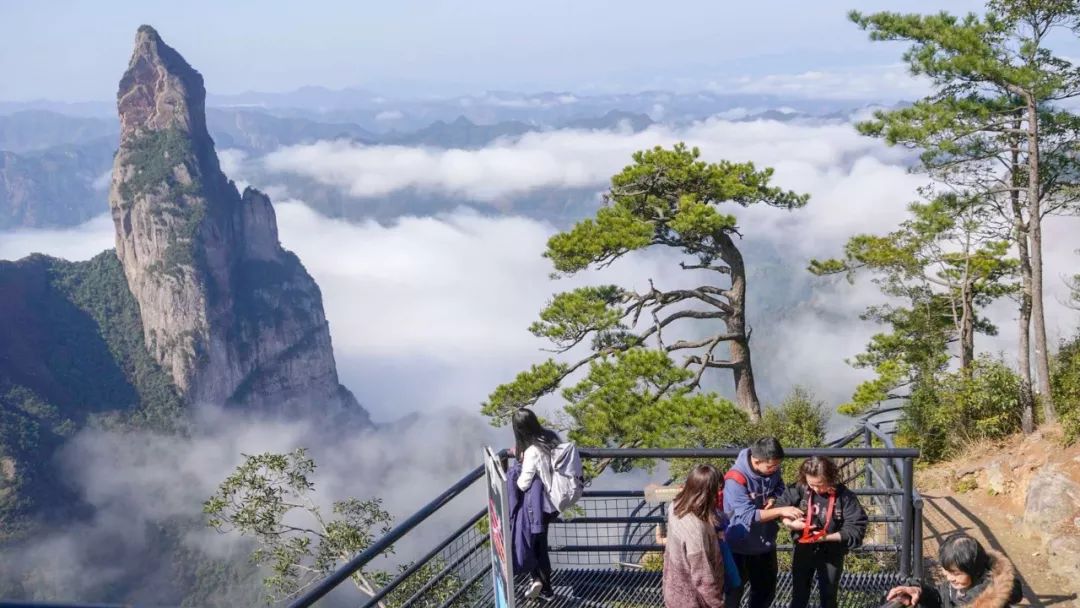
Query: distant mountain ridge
58,186
53,185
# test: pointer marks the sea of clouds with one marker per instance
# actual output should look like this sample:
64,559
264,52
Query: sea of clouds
429,314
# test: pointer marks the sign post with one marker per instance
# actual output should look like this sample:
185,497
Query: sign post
500,536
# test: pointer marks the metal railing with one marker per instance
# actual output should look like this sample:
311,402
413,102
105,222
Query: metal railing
613,530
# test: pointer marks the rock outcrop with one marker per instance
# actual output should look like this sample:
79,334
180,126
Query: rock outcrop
1052,499
229,314
1025,489
1051,508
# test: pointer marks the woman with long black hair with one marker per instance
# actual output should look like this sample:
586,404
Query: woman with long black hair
533,447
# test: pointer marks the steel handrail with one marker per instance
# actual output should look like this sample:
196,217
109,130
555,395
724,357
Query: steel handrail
342,574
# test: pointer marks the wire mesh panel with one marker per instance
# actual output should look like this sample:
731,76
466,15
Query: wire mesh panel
448,577
857,590
605,531
621,528
608,552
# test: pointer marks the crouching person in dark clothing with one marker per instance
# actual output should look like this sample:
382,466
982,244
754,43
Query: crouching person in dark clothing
834,524
973,576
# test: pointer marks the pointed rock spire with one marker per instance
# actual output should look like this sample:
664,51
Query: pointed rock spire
228,313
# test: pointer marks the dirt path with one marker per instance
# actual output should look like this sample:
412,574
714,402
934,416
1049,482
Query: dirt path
946,512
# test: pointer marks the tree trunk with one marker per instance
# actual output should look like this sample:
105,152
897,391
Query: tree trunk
363,584
745,391
967,309
967,328
1027,400
1038,312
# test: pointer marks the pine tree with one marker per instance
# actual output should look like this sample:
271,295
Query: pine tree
943,264
994,127
643,371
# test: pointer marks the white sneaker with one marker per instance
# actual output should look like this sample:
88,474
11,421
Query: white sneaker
533,590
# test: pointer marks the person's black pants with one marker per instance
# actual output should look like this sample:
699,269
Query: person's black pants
758,571
827,562
542,572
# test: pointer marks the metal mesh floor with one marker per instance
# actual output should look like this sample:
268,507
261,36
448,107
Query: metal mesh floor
594,587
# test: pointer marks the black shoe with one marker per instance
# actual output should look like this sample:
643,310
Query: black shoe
547,596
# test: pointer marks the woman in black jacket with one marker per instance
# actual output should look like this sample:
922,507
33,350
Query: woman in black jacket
834,524
972,576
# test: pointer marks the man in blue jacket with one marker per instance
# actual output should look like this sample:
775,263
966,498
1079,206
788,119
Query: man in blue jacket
751,488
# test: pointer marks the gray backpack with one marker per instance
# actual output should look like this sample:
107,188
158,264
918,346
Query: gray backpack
567,476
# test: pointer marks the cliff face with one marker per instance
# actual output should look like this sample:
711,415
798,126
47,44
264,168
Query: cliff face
231,316
71,351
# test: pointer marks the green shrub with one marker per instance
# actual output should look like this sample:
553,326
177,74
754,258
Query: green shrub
965,485
798,422
1065,384
99,288
954,409
154,155
653,561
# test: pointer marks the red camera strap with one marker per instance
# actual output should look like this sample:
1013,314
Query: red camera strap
806,535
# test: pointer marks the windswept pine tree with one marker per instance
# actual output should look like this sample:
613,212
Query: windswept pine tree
641,372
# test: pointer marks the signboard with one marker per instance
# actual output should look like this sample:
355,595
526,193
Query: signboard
502,569
658,494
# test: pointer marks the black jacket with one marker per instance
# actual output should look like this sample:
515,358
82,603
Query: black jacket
998,588
849,518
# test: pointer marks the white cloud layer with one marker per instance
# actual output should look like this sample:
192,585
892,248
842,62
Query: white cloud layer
77,243
890,82
564,158
136,480
447,299
389,116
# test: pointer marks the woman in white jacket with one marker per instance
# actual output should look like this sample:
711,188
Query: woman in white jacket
533,445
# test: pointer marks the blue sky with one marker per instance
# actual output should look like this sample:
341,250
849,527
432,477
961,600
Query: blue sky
76,50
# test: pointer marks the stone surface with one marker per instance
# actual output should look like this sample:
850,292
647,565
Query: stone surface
1052,500
1064,554
232,317
995,478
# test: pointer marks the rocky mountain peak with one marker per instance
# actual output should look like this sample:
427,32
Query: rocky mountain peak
227,312
160,89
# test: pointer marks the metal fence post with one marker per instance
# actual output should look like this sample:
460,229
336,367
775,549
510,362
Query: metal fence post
867,442
908,481
917,566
